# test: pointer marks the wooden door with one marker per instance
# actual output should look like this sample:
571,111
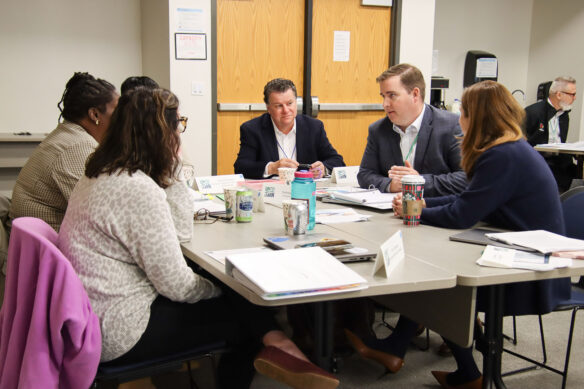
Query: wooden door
258,40
352,81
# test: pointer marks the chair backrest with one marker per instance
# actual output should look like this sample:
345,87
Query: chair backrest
573,208
49,336
543,90
4,208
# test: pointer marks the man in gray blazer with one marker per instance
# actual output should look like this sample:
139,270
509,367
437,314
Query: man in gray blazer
414,138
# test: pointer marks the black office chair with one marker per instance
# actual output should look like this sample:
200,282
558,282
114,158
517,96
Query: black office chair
112,376
543,90
572,206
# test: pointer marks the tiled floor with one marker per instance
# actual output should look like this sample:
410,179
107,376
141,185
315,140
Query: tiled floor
356,373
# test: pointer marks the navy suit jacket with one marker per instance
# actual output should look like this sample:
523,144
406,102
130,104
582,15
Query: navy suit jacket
437,156
258,145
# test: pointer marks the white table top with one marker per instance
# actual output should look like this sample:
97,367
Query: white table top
567,148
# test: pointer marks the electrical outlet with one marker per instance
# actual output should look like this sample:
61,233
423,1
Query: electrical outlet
196,88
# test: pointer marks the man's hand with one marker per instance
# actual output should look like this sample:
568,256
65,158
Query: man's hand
400,171
317,169
396,173
284,162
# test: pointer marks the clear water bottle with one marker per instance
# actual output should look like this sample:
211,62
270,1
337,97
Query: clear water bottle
304,188
456,107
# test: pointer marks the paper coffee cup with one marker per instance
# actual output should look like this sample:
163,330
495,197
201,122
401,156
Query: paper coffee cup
286,174
412,198
230,197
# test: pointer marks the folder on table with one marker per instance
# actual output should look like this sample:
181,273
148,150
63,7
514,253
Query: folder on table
293,273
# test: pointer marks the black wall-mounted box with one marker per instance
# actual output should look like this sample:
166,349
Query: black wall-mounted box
479,66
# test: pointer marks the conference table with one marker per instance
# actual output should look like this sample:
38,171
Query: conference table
432,245
435,285
413,275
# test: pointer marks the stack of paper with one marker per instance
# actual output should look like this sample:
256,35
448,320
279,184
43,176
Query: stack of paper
342,215
540,240
367,198
495,256
576,146
205,201
293,273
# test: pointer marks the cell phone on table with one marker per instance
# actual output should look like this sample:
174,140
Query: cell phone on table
329,244
303,166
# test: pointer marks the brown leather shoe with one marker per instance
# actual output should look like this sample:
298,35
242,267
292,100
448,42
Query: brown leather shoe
444,350
297,373
391,362
441,378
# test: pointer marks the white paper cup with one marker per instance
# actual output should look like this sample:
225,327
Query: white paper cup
258,199
286,174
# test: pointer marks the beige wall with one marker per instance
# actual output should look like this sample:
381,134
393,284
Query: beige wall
416,35
155,43
558,27
42,43
197,139
534,40
501,27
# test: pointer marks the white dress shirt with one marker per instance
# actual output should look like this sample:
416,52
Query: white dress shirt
554,126
286,144
409,138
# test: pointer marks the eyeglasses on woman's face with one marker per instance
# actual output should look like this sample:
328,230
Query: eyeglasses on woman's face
183,124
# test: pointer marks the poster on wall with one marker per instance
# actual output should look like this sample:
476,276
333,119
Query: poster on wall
190,46
190,19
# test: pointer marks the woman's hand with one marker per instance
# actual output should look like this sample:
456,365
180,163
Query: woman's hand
397,205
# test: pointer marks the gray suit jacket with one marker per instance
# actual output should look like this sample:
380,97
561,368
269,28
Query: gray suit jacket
437,156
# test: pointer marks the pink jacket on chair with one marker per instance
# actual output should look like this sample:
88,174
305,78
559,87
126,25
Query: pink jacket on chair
49,336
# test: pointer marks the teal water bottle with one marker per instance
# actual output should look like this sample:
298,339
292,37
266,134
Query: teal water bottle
304,188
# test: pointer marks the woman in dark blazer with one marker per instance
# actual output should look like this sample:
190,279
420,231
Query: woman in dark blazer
510,187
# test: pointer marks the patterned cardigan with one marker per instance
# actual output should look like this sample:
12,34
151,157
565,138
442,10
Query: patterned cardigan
121,233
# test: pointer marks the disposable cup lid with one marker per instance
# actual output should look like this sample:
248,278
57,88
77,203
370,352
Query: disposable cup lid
413,179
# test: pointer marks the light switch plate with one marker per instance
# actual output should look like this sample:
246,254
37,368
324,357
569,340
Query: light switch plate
197,88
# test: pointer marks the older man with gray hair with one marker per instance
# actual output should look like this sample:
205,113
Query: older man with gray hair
547,121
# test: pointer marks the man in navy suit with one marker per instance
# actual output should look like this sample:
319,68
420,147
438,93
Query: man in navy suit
414,138
281,138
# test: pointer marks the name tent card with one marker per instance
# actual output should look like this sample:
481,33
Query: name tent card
345,175
275,192
215,184
390,254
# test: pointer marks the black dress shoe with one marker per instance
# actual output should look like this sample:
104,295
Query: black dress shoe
391,362
441,378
